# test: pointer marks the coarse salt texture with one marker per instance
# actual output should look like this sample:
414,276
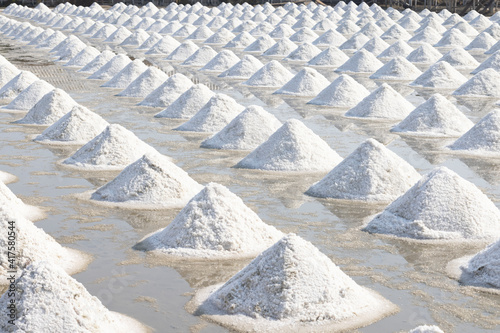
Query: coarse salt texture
484,84
492,62
187,104
362,61
355,42
7,73
425,54
397,69
222,37
246,131
304,52
137,37
260,45
224,60
42,286
111,68
97,62
343,92
168,92
128,74
241,41
436,117
10,201
15,86
112,149
399,48
243,69
293,147
77,127
330,38
307,82
273,74
165,46
383,103
329,57
460,59
150,182
292,286
145,83
370,173
483,268
282,31
441,205
201,57
483,138
282,47
83,57
484,41
453,38
441,75
183,51
30,96
428,35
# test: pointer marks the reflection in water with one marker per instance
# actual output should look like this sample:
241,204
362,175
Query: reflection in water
488,169
478,107
378,130
430,148
354,212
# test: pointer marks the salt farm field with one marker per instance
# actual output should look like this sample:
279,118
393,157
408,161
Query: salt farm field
155,291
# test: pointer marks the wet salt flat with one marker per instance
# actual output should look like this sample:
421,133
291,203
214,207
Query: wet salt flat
154,291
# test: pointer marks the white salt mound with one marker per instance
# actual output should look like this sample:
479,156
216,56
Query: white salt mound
293,147
7,178
30,96
215,223
97,62
370,173
273,74
426,329
282,48
10,201
329,57
224,60
260,45
482,269
307,82
168,92
42,286
435,117
111,68
492,62
344,91
441,205
292,286
376,45
397,69
150,182
362,61
166,45
183,51
145,83
214,115
128,74
83,57
483,138
424,54
7,73
201,57
187,104
484,41
399,48
384,102
440,75
243,69
459,58
113,149
15,86
76,127
484,84
453,38
50,108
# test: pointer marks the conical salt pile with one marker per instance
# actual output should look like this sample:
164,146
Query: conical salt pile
370,173
183,51
30,96
282,31
243,69
293,147
483,138
355,42
330,38
482,269
492,62
7,178
428,35
137,37
201,33
440,75
484,41
396,32
260,45
362,61
49,108
376,45
151,41
168,92
151,181
15,86
343,92
282,48
215,223
97,62
397,69
224,60
307,82
273,74
9,200
241,41
187,104
442,205
304,35
201,57
424,54
460,59
247,131
214,115
426,329
113,149
145,83
126,75
118,36
304,52
43,285
292,286
453,38
435,117
111,68
166,45
222,36
7,73
399,48
384,102
76,127
83,57
484,84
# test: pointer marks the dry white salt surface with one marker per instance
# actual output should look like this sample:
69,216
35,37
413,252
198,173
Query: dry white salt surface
428,35
441,75
293,147
183,51
30,96
282,31
49,108
151,182
382,103
42,286
424,54
291,287
128,74
304,52
118,36
306,83
214,224
111,68
112,149
243,69
376,45
330,38
7,72
483,42
213,116
273,74
453,38
492,62
460,59
426,329
282,48
201,57
136,39
221,37
77,127
440,206
7,178
260,45
224,60
329,57
52,41
397,69
484,84
168,91
145,83
399,48
164,46
15,86
10,201
370,173
355,42
83,57
188,103
97,62
151,41
246,131
241,41
436,117
343,92
362,61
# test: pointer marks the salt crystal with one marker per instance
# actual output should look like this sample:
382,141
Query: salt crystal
344,91
355,42
482,269
222,36
482,42
281,31
304,35
7,178
241,41
397,69
375,45
119,35
145,83
30,96
330,38
486,83
260,45
128,74
273,74
10,201
104,32
201,33
399,48
7,73
426,329
303,52
187,104
428,35
440,75
282,48
151,41
396,32
453,38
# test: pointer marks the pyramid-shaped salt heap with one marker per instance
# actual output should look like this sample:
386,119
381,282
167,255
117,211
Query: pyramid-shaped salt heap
243,69
145,83
440,75
30,96
307,82
215,223
201,57
376,45
442,205
483,42
214,115
424,54
399,48
15,86
459,58
126,75
273,74
482,269
111,68
293,147
222,36
7,73
151,181
183,51
282,48
9,200
362,61
397,69
492,62
260,45
168,92
224,60
187,104
83,57
484,84
343,92
329,57
113,149
99,61
370,173
166,45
